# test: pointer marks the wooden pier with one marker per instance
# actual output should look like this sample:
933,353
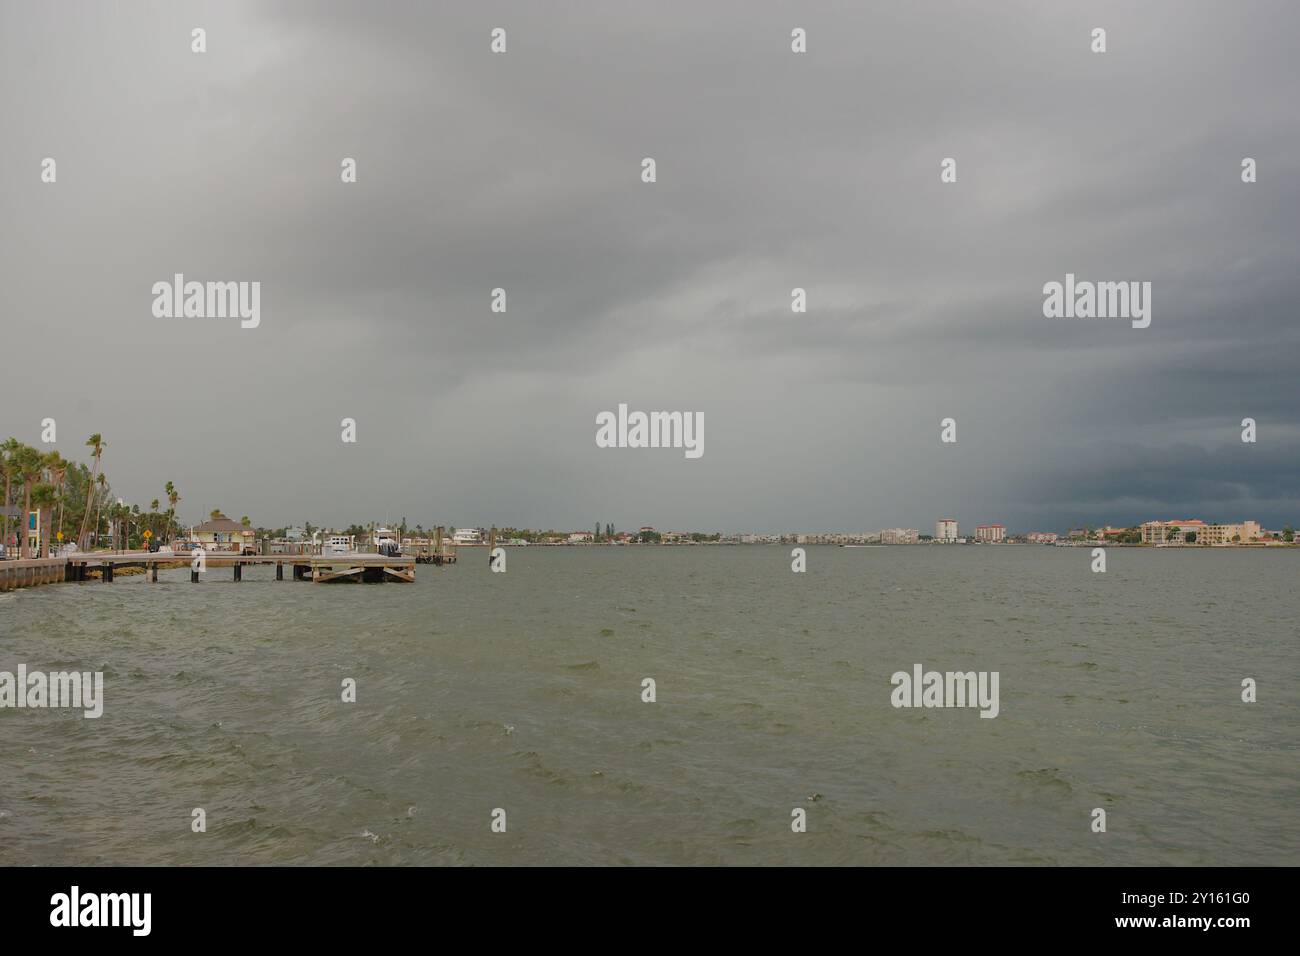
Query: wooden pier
304,567
438,554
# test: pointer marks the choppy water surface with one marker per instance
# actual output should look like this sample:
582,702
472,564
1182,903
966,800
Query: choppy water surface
523,691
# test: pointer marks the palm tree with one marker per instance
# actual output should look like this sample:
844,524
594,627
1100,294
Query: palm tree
58,468
245,521
95,441
8,469
30,468
99,504
172,498
44,495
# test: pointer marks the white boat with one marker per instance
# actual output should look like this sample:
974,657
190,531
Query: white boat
337,544
386,541
467,536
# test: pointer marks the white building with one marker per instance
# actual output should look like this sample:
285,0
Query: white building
900,536
945,530
991,533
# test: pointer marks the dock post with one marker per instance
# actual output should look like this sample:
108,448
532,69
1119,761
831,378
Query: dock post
107,573
239,568
194,576
279,570
492,543
153,573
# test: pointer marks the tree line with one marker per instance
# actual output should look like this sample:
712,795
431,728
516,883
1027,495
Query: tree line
72,498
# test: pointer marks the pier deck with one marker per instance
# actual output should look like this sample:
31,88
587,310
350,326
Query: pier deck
305,567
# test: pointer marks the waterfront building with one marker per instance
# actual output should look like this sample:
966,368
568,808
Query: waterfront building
945,530
898,536
1159,532
1042,537
991,533
222,534
1240,533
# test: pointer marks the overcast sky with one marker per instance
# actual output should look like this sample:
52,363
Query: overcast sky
775,170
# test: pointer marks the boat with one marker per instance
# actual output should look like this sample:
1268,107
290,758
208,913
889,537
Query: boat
469,536
338,544
386,541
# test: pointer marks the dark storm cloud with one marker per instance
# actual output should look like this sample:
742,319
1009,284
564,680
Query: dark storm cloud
775,171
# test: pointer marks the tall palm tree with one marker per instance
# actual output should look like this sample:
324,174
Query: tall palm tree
30,469
8,470
57,466
101,480
44,496
95,441
172,498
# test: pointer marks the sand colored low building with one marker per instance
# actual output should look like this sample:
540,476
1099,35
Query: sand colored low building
1170,532
1242,533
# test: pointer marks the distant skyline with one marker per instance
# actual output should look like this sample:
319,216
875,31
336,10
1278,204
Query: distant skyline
775,171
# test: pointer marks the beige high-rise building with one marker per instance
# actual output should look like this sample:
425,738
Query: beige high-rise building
945,529
991,533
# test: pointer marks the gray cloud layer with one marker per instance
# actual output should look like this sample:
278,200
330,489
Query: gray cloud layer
775,171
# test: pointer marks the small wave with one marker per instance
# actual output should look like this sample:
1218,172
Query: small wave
1045,777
